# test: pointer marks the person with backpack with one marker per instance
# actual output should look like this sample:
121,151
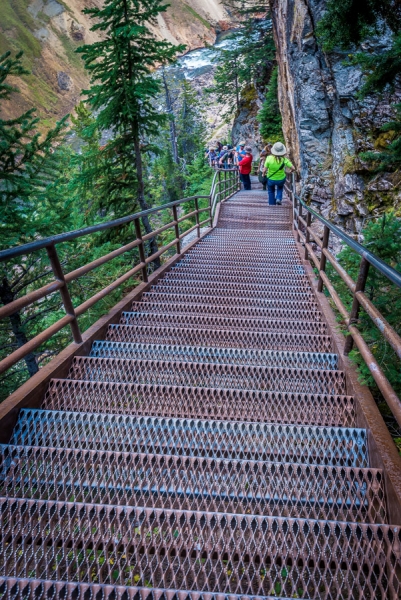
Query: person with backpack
275,165
223,158
245,167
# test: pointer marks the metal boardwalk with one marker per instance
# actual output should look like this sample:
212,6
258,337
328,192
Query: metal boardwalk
206,449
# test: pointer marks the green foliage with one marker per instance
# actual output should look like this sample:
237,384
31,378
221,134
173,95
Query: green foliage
27,163
269,116
388,159
123,85
383,238
248,62
347,23
380,69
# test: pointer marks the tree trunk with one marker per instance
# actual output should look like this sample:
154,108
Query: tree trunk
173,133
7,296
141,198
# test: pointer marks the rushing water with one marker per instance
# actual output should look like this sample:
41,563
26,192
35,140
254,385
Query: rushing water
199,61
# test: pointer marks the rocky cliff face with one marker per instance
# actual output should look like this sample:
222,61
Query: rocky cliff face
326,126
49,31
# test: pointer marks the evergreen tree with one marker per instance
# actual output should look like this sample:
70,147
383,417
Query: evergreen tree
227,82
28,164
269,116
123,85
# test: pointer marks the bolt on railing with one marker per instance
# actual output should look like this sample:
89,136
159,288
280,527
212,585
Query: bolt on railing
230,183
304,234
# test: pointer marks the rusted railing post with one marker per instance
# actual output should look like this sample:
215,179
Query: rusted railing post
322,266
299,221
225,184
141,249
177,230
65,294
197,216
354,314
307,235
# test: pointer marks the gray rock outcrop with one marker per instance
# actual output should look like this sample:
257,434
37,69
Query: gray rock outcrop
326,125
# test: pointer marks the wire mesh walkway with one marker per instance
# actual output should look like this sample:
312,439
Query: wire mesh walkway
206,448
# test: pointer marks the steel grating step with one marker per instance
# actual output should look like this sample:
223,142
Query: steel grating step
197,550
223,310
164,400
236,356
221,323
252,225
222,258
293,273
187,483
230,289
335,446
14,588
155,296
258,340
285,280
220,376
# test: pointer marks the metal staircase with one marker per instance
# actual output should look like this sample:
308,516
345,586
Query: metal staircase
207,448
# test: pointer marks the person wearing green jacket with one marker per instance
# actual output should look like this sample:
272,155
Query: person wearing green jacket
275,165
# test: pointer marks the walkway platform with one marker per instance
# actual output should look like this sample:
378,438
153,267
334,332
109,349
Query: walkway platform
208,446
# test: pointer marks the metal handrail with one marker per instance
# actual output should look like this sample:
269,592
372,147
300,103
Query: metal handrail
356,288
391,274
72,235
226,187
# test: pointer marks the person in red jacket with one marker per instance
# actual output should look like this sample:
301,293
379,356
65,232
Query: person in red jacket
245,168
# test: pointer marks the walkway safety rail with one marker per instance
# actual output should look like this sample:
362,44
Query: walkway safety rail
225,184
302,223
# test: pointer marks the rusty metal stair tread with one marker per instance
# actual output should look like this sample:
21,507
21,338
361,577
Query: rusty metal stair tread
237,301
224,288
273,340
221,376
352,556
174,482
222,323
308,444
19,588
167,398
315,360
288,280
237,310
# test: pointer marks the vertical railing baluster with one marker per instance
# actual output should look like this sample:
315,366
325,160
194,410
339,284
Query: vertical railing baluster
176,229
64,293
197,216
307,235
141,249
299,221
322,266
354,314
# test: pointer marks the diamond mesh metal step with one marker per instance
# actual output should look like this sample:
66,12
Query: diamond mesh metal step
194,297
13,588
285,280
221,376
200,402
233,311
276,340
335,446
214,552
236,356
186,483
220,322
277,293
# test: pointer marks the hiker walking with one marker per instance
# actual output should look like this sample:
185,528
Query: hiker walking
245,167
275,165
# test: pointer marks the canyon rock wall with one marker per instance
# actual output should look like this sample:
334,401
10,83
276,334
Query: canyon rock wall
49,31
326,125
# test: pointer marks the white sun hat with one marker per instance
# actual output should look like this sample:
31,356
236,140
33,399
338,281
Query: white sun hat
279,149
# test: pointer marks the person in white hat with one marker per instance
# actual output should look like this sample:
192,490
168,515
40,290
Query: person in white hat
275,165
